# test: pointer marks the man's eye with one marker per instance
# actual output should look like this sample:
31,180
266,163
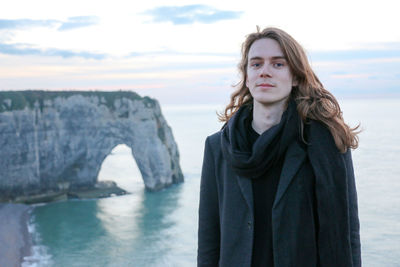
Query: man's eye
279,65
256,65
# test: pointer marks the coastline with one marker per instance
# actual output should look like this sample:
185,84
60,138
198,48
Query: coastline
15,239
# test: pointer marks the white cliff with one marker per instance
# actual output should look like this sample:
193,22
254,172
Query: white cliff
52,141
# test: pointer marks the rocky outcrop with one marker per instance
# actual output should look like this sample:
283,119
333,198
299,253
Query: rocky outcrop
57,141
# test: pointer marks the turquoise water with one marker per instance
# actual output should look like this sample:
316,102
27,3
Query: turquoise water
160,229
146,229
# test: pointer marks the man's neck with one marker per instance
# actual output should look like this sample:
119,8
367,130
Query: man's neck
266,116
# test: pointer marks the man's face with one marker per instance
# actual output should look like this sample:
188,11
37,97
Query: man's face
269,78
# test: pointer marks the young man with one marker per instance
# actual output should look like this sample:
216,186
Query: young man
277,185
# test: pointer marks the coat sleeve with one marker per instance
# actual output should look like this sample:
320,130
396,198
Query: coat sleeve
353,211
209,231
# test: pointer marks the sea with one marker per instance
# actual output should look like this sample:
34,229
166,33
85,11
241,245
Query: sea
160,228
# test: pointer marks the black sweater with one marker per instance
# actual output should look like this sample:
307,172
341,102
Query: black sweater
264,191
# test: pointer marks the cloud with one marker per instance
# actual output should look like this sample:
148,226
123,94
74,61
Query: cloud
393,52
19,49
71,23
178,53
11,24
190,14
78,22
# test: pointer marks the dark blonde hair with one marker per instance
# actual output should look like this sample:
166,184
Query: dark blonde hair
313,100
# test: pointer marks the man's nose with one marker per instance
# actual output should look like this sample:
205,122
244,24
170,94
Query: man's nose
265,71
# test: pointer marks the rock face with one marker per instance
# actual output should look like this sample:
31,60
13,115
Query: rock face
52,141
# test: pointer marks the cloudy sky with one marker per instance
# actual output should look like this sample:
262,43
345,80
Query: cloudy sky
183,52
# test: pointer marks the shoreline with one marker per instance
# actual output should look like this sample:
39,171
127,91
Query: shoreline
15,239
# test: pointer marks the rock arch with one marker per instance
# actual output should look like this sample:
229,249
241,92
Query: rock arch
60,139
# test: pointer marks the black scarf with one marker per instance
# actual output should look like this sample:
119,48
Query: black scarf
254,162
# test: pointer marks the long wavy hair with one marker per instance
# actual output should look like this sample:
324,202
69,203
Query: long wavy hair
313,100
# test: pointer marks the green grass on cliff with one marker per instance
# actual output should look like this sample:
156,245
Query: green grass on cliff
17,100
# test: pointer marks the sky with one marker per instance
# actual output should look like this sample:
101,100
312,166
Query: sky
186,52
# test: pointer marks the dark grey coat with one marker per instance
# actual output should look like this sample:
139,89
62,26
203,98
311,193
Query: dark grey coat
225,236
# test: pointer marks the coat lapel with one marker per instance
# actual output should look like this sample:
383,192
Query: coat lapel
294,158
247,190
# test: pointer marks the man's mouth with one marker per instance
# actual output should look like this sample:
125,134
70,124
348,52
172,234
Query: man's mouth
265,85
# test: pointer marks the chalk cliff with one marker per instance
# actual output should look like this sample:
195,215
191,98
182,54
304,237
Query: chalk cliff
57,141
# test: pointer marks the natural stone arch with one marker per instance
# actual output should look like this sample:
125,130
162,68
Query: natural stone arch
60,139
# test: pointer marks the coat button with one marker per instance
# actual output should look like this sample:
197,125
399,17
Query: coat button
249,224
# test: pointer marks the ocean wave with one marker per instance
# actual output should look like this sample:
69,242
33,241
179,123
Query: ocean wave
40,256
